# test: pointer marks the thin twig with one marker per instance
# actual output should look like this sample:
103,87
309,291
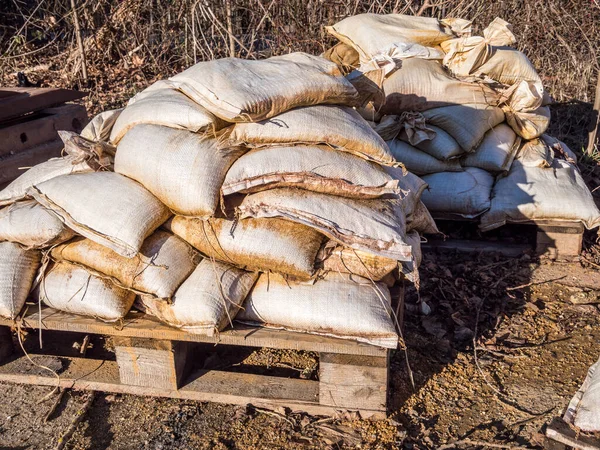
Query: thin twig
79,415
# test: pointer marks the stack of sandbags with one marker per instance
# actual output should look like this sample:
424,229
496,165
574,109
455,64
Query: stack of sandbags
463,111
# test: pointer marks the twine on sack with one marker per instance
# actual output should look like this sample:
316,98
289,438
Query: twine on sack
204,222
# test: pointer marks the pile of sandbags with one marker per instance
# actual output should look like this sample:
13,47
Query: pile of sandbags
248,190
468,114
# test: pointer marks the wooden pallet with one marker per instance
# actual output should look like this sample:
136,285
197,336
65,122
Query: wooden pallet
157,360
556,239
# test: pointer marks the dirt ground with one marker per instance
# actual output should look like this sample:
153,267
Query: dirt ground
536,327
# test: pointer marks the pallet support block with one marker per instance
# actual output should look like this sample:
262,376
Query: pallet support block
152,363
353,382
6,344
559,240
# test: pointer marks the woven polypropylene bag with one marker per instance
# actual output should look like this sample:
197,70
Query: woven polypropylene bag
17,190
100,127
419,162
467,124
529,125
70,288
584,408
18,267
337,126
496,152
266,245
238,90
535,153
30,224
376,226
466,194
347,260
442,146
341,305
184,170
314,168
105,207
163,263
533,193
207,301
162,104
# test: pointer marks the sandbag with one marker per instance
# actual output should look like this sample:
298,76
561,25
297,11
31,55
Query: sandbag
73,289
337,126
30,224
106,207
100,127
508,65
342,259
162,104
442,146
344,56
421,221
375,226
534,193
420,162
535,153
239,90
559,148
184,170
496,152
18,267
419,85
466,194
163,263
344,306
370,34
529,125
467,124
584,408
336,173
254,244
207,301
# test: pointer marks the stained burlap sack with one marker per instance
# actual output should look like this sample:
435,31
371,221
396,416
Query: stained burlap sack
73,289
420,84
410,124
106,207
207,301
535,153
466,194
100,127
529,125
30,224
442,146
559,148
314,168
342,259
267,245
467,124
344,56
376,226
337,126
162,104
496,152
584,408
370,34
534,193
163,263
421,221
183,170
238,90
420,162
17,273
344,306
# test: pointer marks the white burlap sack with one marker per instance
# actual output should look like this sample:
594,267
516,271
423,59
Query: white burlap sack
420,162
442,146
344,306
508,66
529,125
17,273
420,84
183,170
535,153
100,127
376,226
70,288
337,126
238,90
207,301
496,152
466,194
342,259
105,207
267,245
584,408
162,264
162,104
32,225
370,34
534,193
314,168
467,124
